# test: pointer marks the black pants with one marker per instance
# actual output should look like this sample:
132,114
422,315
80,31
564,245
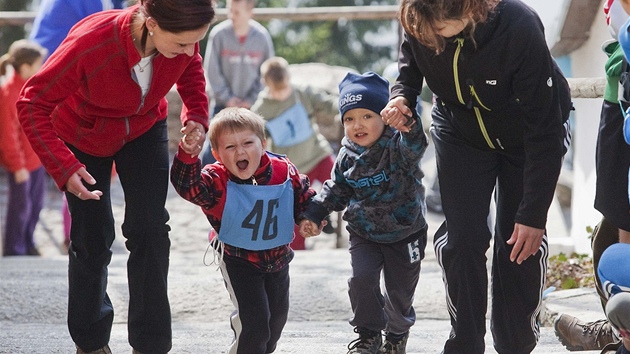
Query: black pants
390,309
142,167
612,159
468,178
261,300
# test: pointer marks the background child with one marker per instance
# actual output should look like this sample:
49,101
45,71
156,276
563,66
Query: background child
250,197
236,49
27,177
378,179
291,114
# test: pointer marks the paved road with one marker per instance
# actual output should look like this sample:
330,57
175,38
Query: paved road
33,294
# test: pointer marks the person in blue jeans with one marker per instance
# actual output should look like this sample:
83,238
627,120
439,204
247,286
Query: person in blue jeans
26,175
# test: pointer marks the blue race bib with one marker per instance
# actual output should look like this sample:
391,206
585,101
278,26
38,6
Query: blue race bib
291,127
258,217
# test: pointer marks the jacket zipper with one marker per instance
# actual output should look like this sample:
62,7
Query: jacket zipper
473,94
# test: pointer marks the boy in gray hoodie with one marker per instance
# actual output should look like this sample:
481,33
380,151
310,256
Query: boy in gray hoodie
378,181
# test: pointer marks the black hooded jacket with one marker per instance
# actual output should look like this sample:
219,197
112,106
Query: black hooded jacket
502,92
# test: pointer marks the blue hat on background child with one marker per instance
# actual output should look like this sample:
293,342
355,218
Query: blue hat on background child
369,91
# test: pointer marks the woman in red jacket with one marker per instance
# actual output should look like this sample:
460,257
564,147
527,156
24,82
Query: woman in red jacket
100,99
27,177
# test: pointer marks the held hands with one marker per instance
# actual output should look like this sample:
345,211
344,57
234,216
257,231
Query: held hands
194,136
76,187
526,241
310,229
398,115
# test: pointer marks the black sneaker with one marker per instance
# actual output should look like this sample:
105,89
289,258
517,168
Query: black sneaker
369,342
395,343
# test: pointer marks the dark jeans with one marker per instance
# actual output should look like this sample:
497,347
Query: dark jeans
142,166
25,202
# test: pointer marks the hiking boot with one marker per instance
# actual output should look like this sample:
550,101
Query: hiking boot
576,335
104,350
395,343
369,342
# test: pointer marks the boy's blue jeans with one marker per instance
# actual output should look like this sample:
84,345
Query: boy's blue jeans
142,166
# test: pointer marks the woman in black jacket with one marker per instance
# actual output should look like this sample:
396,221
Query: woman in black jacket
499,127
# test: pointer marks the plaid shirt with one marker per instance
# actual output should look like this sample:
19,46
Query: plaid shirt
207,188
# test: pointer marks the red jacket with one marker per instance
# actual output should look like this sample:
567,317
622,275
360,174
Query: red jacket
15,150
208,189
86,94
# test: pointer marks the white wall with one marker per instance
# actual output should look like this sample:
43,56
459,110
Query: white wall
587,61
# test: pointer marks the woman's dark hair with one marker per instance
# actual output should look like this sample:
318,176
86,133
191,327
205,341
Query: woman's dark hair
21,52
419,16
176,16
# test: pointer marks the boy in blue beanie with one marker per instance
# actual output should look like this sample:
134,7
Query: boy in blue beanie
378,181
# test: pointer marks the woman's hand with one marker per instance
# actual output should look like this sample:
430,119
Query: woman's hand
194,136
76,187
526,241
397,114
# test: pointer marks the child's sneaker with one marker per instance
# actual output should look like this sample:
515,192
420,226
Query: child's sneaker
104,350
369,342
395,343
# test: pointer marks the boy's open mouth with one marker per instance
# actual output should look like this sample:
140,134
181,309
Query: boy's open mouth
242,164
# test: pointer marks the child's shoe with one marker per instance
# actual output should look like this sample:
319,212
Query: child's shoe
104,350
395,343
369,342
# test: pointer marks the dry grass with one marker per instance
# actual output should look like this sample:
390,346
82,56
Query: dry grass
570,271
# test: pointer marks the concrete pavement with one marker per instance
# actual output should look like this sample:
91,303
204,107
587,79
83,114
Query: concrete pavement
33,294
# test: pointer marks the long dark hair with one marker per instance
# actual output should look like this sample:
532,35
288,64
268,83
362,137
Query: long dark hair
418,17
22,51
176,16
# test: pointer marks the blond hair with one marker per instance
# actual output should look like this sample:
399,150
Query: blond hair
419,16
234,120
275,71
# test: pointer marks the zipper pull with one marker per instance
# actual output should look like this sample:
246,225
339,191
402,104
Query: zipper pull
471,85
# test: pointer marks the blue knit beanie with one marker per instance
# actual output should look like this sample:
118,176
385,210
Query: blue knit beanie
369,91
